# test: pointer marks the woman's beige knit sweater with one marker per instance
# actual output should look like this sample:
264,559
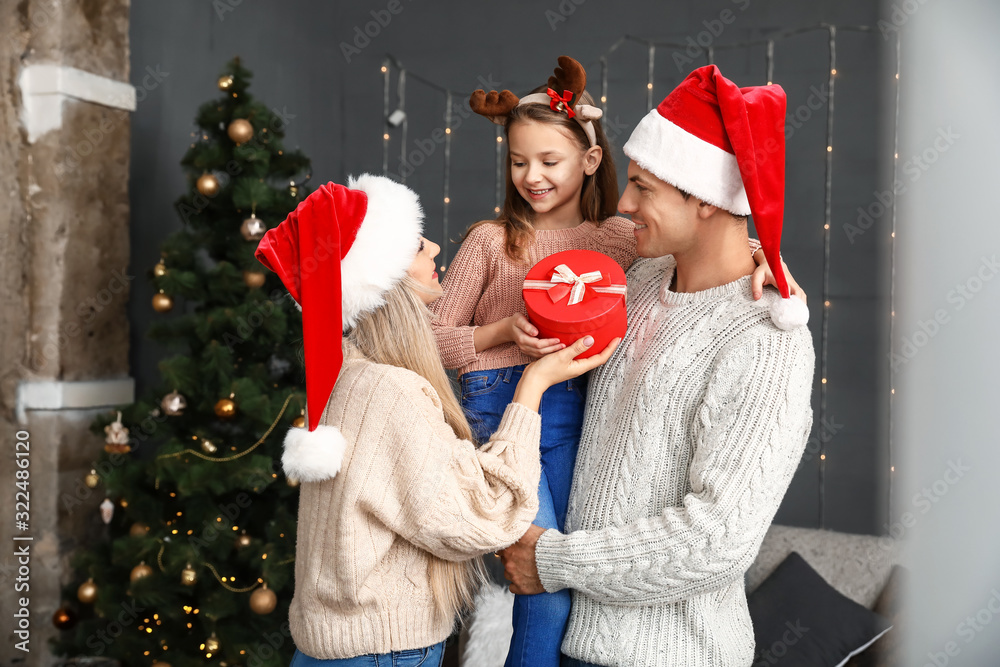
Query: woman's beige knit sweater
408,491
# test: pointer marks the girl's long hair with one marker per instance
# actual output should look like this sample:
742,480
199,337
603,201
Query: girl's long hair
399,333
598,198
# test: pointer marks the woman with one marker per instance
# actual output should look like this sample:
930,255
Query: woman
397,502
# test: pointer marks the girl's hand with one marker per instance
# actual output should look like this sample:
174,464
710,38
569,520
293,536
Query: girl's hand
762,275
561,366
524,334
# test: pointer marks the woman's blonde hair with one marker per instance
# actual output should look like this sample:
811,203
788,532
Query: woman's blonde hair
399,333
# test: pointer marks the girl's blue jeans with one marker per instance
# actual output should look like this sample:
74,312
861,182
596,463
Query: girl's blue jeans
539,620
417,657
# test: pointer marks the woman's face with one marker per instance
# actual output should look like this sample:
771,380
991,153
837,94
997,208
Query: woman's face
424,270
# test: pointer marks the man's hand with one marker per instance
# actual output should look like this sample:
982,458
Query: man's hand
519,563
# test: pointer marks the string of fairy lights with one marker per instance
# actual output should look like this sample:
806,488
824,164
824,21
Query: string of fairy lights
395,116
892,274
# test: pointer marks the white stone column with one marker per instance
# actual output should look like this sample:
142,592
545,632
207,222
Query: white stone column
64,280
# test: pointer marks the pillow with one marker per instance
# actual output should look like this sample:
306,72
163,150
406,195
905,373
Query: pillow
800,620
887,651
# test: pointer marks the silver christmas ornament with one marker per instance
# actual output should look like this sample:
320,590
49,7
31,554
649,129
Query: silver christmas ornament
173,403
253,228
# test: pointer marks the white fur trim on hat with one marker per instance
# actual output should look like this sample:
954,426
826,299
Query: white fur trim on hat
386,244
687,162
313,456
790,313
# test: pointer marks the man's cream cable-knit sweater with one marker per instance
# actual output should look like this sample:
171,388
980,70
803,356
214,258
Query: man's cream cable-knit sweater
693,430
408,491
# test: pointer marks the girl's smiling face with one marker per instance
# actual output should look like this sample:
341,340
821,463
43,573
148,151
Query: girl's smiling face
547,166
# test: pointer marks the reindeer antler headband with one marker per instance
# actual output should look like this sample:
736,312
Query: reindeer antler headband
565,87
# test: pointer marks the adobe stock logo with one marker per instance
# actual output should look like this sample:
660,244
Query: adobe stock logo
363,35
959,297
970,628
913,168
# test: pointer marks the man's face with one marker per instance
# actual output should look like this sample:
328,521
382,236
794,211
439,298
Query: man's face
665,222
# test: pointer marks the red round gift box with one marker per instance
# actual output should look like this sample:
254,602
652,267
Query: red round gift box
602,316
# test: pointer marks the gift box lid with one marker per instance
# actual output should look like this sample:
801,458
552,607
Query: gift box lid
548,302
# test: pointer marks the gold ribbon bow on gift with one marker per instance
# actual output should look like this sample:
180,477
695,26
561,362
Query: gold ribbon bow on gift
564,281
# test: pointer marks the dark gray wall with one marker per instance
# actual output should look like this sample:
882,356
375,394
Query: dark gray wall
335,116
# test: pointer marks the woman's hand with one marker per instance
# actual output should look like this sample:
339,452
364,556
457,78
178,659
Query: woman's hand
524,334
558,367
562,365
762,275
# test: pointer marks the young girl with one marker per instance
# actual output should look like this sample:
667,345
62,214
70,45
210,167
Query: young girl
562,194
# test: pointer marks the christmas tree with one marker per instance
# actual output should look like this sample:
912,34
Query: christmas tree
197,565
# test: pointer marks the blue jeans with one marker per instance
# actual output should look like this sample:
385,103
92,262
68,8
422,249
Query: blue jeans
539,620
417,657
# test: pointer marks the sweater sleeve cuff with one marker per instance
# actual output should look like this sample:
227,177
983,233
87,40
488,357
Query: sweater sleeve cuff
467,343
755,245
457,345
549,551
519,424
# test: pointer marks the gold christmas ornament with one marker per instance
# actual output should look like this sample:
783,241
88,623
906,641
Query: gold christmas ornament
208,446
140,571
107,510
263,600
64,618
92,480
243,540
116,437
225,408
173,403
138,529
240,131
226,82
253,228
189,577
212,644
162,303
299,422
208,185
160,269
254,279
87,592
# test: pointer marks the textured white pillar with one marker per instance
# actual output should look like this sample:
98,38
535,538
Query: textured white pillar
44,88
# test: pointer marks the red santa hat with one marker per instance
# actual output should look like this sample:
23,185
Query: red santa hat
726,146
338,253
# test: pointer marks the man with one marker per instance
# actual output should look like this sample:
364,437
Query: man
696,424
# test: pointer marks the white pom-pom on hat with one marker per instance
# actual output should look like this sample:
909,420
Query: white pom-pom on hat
790,313
313,456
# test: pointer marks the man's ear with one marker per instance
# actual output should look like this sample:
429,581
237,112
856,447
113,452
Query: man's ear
592,160
706,210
